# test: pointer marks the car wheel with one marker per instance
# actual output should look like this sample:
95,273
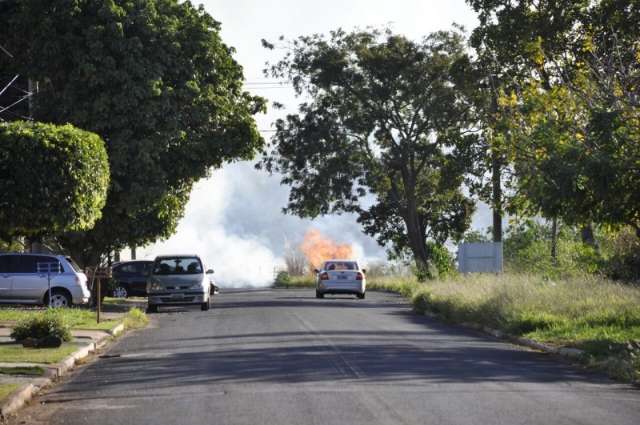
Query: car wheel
59,299
206,305
152,308
361,296
120,292
319,294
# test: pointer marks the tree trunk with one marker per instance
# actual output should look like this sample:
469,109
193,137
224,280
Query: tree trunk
116,256
417,242
133,252
587,236
496,197
34,245
554,240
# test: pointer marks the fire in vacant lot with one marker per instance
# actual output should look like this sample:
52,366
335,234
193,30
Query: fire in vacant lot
318,248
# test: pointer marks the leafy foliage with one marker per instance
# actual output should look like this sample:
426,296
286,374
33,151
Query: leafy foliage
572,105
49,324
378,137
156,81
52,178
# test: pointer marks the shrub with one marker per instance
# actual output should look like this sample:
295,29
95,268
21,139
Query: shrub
283,279
135,319
48,324
623,255
54,178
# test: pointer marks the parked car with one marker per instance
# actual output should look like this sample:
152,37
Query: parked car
341,277
130,278
177,280
24,279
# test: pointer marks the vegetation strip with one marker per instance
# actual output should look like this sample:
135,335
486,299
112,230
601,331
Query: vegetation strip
22,370
16,353
7,389
75,318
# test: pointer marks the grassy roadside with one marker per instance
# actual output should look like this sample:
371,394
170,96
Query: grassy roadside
135,319
593,314
6,389
76,318
22,370
16,353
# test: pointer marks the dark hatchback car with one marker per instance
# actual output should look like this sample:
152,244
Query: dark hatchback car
130,278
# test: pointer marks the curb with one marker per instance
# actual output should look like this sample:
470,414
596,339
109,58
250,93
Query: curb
117,330
24,394
570,353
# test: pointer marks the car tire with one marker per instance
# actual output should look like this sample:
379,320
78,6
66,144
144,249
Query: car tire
120,291
59,298
206,305
319,294
361,296
152,308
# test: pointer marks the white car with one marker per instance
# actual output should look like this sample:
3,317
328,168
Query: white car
25,278
341,277
177,280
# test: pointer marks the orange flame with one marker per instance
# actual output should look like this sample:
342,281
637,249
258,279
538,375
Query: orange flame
317,248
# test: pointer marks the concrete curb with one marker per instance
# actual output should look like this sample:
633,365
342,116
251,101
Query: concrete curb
117,330
570,353
25,393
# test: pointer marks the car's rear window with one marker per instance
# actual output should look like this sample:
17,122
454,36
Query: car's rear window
341,265
74,265
177,265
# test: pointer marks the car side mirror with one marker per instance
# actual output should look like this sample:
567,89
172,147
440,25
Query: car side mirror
364,271
210,271
316,271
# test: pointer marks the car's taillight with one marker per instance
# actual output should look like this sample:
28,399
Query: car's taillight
359,276
324,276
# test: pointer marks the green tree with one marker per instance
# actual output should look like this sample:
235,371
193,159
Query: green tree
53,179
378,137
156,81
574,126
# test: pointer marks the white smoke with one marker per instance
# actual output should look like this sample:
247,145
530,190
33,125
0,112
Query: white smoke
238,261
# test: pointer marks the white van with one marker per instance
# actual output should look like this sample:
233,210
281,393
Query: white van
24,279
178,280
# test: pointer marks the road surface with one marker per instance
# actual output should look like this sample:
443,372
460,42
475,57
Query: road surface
283,357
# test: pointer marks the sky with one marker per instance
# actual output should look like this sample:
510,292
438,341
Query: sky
233,219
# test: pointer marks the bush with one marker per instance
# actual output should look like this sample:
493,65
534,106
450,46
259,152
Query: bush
54,178
135,319
283,279
527,249
48,324
622,250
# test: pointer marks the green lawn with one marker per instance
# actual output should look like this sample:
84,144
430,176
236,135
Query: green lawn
6,389
16,353
76,318
20,370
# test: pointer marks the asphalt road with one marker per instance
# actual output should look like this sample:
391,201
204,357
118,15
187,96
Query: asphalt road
282,357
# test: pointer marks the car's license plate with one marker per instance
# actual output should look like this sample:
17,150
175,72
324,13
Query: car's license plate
341,276
177,296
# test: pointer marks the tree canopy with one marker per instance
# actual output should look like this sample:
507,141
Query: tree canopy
378,137
156,81
573,73
53,179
